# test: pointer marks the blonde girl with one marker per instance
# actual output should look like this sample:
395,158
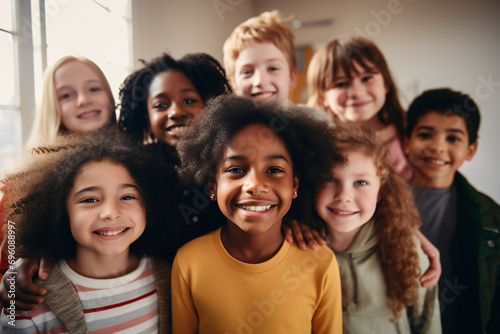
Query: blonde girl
367,213
76,98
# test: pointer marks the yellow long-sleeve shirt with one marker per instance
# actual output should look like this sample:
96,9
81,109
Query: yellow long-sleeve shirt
296,291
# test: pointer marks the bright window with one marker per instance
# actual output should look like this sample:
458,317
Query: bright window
34,34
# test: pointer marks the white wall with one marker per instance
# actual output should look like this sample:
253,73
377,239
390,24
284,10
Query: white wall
427,43
180,27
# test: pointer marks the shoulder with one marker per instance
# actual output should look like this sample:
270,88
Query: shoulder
471,199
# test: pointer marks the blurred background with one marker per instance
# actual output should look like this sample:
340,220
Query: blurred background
427,43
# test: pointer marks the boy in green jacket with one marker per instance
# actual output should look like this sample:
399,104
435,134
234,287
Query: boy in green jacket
463,223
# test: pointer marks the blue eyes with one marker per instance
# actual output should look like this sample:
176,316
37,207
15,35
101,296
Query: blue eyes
331,179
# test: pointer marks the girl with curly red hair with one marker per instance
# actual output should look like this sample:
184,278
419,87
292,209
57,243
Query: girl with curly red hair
367,213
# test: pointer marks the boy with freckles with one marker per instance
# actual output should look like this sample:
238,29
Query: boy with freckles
463,223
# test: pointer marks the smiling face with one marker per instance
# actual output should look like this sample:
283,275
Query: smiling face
348,199
172,102
105,210
438,146
255,183
358,99
263,73
83,101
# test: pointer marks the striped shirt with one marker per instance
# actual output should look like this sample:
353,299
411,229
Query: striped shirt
127,304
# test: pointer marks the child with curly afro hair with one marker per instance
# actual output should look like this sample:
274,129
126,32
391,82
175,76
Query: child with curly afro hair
255,160
95,206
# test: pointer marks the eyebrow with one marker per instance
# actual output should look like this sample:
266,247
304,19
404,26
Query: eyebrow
268,158
87,81
430,128
96,188
265,60
185,90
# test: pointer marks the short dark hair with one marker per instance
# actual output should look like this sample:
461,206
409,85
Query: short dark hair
205,141
36,195
205,73
445,101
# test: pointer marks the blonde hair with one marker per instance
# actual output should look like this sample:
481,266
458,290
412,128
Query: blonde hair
342,53
395,217
267,27
47,125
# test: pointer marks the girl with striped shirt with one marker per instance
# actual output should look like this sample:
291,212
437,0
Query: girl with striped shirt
90,206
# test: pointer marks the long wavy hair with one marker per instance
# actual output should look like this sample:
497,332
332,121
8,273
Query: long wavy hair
395,217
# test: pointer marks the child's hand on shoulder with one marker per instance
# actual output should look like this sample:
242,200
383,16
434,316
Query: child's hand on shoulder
302,234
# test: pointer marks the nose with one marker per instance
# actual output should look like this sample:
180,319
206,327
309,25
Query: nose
260,78
356,88
255,184
343,193
83,99
437,144
176,111
110,210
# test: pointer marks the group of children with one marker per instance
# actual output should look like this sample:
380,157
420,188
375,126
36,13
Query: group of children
364,178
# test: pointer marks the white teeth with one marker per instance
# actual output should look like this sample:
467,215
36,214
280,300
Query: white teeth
92,113
343,212
111,233
263,96
256,208
437,162
176,128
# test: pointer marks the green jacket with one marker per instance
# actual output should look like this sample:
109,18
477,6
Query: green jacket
365,305
476,249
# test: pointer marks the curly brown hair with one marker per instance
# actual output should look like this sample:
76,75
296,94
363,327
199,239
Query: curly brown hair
395,217
36,195
205,141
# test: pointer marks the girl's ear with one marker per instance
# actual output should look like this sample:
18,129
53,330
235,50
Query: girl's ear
295,186
212,188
